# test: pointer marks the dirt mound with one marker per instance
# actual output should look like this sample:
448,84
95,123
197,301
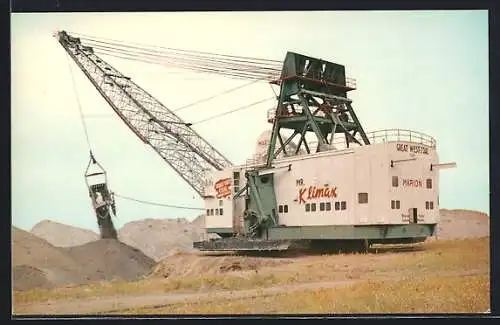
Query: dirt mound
36,263
56,265
62,235
455,224
25,277
181,265
199,222
27,249
160,238
157,238
107,259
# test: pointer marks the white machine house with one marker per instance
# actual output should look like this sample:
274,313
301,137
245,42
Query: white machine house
380,187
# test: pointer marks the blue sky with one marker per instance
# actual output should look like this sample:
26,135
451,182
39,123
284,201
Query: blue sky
420,70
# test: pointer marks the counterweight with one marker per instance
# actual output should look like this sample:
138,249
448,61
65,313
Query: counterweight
174,140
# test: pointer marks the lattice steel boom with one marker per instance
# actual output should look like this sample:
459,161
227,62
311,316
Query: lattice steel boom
173,139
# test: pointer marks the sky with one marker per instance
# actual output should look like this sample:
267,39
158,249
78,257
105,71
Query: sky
421,70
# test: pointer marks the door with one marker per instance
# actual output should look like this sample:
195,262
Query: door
238,211
413,215
362,182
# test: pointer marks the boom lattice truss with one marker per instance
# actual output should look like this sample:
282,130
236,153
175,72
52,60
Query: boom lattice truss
174,140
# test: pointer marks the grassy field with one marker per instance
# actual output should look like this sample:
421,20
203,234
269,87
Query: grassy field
456,294
437,276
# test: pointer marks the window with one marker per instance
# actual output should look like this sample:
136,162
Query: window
328,206
313,207
280,209
427,205
285,208
398,204
429,183
236,181
343,205
431,205
208,212
220,212
393,204
216,212
220,203
337,205
395,181
308,207
363,198
211,212
322,206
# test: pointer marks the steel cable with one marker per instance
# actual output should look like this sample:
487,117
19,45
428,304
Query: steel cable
157,204
229,65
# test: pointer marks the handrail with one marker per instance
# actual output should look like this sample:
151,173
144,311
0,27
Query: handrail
396,135
275,77
391,135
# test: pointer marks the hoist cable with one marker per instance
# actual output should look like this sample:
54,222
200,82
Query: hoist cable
214,96
193,64
158,204
233,111
79,105
212,58
88,37
205,69
204,61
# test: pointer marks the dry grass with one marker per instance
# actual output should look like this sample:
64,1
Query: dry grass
120,288
429,261
456,294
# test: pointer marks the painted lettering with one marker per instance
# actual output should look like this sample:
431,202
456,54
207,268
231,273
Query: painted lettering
412,148
223,188
412,183
314,192
401,147
302,191
419,149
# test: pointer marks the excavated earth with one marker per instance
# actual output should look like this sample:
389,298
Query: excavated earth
37,263
190,265
54,255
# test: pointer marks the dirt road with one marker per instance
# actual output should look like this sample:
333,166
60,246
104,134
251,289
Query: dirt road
118,304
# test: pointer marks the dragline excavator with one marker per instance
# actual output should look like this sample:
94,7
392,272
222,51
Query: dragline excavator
348,187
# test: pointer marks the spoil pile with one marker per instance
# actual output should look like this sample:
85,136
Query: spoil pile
32,255
107,259
461,223
36,263
187,265
160,238
157,238
62,235
25,277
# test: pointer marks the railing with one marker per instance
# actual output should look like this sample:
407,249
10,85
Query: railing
392,135
379,136
350,82
287,112
276,76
